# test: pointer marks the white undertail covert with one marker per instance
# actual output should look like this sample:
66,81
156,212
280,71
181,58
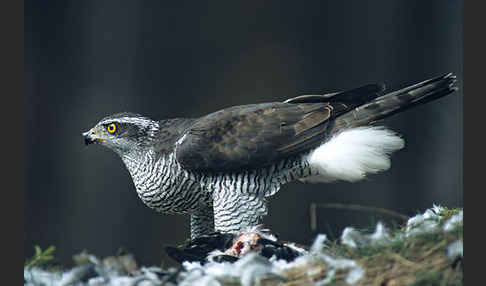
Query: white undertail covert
352,154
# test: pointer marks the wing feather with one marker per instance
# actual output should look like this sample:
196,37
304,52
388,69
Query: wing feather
248,136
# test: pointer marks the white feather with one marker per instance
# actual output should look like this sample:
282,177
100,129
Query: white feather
352,154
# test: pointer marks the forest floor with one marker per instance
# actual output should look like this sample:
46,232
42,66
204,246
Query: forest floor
428,250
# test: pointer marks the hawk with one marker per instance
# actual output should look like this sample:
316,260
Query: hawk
221,168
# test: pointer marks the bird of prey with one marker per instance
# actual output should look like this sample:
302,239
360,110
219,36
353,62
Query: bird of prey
221,168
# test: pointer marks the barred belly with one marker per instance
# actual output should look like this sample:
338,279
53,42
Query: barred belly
239,199
264,181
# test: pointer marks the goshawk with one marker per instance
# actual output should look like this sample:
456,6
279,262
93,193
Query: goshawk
221,168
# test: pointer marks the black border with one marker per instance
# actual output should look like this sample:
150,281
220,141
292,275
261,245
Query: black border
12,210
474,49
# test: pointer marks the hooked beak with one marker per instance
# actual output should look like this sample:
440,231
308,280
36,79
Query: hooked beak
89,137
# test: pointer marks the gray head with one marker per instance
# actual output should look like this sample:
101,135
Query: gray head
123,132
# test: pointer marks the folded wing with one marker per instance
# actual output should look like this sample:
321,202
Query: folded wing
257,135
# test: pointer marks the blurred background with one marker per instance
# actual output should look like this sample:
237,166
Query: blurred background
88,59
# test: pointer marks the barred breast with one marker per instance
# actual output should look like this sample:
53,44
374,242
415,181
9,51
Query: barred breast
163,185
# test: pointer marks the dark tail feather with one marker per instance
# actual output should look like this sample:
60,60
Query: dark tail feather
353,97
359,95
395,102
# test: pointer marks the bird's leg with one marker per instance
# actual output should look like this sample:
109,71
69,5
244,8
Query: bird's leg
202,221
236,212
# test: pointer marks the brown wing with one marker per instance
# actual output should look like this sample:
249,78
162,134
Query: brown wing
250,136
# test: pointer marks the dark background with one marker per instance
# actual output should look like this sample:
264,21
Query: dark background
87,59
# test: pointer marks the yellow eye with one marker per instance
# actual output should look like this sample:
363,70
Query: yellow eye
111,128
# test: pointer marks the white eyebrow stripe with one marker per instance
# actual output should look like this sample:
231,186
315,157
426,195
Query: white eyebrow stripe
143,122
134,120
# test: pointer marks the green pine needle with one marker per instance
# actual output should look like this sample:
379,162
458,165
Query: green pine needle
40,257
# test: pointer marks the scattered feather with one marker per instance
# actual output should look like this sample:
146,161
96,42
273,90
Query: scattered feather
318,243
353,238
355,273
422,223
453,221
455,250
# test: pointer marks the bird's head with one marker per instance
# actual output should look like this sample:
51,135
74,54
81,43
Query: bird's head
122,132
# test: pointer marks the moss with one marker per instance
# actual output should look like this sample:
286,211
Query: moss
428,279
446,213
